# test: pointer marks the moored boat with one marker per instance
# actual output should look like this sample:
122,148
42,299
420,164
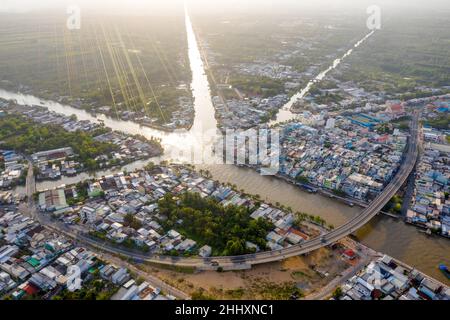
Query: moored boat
444,270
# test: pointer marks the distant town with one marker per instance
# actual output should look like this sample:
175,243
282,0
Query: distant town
336,133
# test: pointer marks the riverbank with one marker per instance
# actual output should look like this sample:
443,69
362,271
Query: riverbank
140,117
383,234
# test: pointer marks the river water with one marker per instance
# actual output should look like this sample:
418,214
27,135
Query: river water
384,234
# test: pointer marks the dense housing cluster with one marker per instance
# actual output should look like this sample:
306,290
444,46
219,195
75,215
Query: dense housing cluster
152,211
12,169
80,145
36,262
389,279
341,156
430,205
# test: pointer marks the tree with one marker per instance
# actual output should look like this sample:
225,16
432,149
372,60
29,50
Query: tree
234,247
337,293
226,229
131,221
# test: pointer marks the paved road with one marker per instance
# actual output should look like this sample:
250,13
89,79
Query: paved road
238,262
30,183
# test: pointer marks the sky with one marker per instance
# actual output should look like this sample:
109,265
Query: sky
169,7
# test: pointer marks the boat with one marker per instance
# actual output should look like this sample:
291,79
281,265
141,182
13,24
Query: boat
444,270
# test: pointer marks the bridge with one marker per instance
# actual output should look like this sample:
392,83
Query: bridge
247,260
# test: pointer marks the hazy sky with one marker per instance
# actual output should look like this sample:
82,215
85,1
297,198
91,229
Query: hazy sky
214,6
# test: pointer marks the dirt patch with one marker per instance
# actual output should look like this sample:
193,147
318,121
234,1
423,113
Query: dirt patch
278,280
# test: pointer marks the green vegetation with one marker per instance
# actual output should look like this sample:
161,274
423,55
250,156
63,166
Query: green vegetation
200,295
289,40
257,86
82,193
275,291
128,64
164,104
252,37
337,293
442,123
126,244
235,293
394,205
131,221
328,98
270,115
225,229
384,128
402,123
400,60
339,193
302,179
301,217
28,137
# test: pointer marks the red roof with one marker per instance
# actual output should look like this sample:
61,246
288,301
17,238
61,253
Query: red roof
349,253
299,233
30,289
396,108
383,138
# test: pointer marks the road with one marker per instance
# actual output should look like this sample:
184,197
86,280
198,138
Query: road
366,256
46,221
30,184
238,262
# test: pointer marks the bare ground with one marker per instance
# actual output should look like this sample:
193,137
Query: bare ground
278,280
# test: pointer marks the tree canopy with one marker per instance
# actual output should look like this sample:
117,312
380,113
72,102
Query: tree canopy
225,229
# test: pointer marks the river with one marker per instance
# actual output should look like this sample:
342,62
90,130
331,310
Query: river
383,234
285,113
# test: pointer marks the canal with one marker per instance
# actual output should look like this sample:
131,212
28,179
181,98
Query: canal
384,234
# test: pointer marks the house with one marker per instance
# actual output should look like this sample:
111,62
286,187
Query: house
274,237
6,283
349,254
52,200
396,110
173,234
205,251
52,155
185,245
120,276
88,213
